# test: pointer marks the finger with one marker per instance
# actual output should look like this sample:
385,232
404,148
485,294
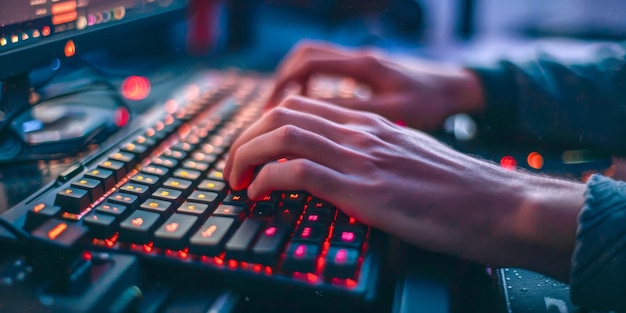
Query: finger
359,67
287,142
281,117
305,50
385,105
298,174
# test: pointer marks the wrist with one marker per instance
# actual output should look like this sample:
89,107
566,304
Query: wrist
466,93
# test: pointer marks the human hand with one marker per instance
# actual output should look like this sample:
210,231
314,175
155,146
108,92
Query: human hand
408,184
419,93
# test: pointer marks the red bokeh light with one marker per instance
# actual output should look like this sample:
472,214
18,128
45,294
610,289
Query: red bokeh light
136,88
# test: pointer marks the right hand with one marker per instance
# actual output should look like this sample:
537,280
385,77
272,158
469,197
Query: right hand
419,93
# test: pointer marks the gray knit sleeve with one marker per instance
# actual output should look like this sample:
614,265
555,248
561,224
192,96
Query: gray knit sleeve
598,277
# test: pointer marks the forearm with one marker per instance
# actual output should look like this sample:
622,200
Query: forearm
542,227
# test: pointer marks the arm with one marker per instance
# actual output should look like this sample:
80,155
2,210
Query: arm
557,100
410,185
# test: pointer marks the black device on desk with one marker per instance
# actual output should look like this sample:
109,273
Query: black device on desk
154,192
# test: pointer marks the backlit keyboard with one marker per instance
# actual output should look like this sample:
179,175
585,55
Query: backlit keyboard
160,194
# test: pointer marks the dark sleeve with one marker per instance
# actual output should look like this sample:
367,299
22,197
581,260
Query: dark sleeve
598,277
559,101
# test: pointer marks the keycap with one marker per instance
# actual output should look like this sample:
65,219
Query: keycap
348,236
210,238
207,197
39,213
100,225
185,186
127,158
168,194
106,177
156,205
268,247
118,168
295,196
318,205
159,171
235,211
198,166
139,150
314,233
60,232
142,192
193,208
128,200
187,174
301,257
203,157
147,180
183,146
238,198
216,175
341,262
320,218
165,162
289,213
212,185
174,154
239,244
94,187
263,209
138,227
72,200
173,233
113,209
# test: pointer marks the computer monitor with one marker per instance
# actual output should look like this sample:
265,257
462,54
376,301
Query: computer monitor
42,34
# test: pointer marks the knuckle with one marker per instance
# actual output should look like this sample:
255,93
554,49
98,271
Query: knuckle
302,170
287,134
291,101
278,115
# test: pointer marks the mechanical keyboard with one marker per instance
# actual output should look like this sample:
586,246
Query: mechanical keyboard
159,193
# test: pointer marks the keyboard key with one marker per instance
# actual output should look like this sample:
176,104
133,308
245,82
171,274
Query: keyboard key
263,209
106,177
296,197
94,187
165,162
72,200
159,171
147,180
203,157
270,244
39,213
234,211
318,205
206,197
183,146
238,246
173,233
138,227
212,185
145,141
167,194
187,174
210,238
118,168
128,200
62,233
155,205
348,236
174,154
140,151
320,218
198,166
100,225
141,191
289,214
114,209
127,158
312,233
238,198
216,175
301,257
178,184
341,262
193,208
